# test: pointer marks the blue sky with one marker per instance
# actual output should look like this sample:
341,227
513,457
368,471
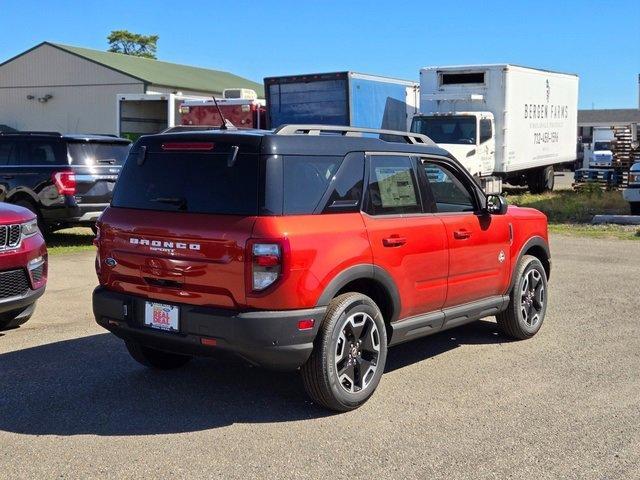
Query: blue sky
599,40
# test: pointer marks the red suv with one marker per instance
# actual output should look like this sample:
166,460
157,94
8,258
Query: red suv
23,265
309,247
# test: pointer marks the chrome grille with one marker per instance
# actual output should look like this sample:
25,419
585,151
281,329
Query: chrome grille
9,236
13,283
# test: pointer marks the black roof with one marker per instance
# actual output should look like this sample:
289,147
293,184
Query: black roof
268,142
78,137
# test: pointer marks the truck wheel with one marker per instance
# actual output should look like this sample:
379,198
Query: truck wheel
150,357
635,208
349,355
541,180
528,300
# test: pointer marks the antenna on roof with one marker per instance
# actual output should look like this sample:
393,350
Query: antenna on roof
223,125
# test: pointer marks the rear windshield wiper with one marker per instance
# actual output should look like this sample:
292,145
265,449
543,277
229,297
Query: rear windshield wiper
179,202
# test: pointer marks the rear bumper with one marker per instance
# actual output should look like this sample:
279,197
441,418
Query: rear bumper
82,214
270,339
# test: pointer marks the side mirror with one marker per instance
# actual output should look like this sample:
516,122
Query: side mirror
496,205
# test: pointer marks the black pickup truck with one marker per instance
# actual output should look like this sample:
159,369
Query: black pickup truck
66,180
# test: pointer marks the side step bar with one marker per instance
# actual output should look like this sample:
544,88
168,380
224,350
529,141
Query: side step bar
434,322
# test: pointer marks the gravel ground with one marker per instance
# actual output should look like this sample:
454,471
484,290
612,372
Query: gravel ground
465,403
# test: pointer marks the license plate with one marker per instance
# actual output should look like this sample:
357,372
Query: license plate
162,317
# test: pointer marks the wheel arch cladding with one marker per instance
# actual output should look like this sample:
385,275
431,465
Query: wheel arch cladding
369,280
537,247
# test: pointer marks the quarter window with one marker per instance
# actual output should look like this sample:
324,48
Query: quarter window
306,179
392,186
449,193
7,152
41,153
346,188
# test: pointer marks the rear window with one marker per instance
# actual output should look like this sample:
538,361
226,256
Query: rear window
189,182
93,153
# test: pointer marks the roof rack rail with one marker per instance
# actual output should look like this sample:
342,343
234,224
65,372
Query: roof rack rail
409,137
32,132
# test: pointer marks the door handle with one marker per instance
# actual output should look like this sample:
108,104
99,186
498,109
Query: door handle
8,177
461,234
394,241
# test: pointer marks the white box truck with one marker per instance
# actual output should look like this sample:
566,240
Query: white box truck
502,122
599,153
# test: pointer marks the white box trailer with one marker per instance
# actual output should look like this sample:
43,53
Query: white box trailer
502,122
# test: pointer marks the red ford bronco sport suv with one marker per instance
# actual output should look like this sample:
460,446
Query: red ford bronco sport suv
310,247
23,265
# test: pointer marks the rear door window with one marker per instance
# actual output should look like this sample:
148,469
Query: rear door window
94,153
189,182
393,188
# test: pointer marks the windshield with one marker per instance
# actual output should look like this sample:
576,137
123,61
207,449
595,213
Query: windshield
450,129
602,146
189,182
94,153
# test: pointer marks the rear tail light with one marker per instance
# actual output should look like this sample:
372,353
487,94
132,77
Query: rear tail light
266,265
65,182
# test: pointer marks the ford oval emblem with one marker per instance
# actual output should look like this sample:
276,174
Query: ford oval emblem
110,262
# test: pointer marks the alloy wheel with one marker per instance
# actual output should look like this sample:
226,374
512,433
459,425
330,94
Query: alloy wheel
532,298
357,352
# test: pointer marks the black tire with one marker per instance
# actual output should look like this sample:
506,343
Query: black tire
519,321
541,180
635,208
12,320
150,357
351,328
31,206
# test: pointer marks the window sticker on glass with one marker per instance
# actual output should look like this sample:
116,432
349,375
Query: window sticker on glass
396,186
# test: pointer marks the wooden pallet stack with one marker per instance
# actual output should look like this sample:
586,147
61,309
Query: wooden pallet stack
624,155
622,148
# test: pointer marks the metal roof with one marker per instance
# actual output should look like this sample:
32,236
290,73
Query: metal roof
155,72
613,115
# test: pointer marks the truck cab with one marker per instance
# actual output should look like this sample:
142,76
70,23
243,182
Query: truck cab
600,151
468,136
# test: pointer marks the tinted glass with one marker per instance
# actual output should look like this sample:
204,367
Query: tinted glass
43,153
449,193
189,182
306,179
449,129
7,152
346,190
485,130
98,153
392,186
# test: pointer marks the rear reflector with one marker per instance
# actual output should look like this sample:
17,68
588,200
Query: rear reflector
198,146
209,342
306,324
